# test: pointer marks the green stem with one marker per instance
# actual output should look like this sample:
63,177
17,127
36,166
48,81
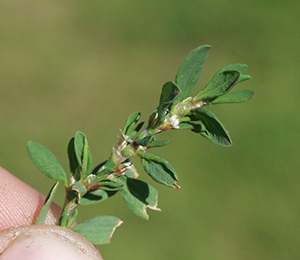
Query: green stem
68,212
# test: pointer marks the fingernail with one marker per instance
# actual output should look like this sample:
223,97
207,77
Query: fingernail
47,242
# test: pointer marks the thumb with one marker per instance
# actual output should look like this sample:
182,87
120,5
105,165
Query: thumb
45,242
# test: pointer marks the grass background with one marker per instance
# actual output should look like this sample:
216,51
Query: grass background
86,65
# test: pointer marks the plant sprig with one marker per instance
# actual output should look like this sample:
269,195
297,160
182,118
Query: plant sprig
176,110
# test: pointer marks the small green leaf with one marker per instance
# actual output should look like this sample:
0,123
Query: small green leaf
79,146
215,130
136,130
192,126
131,122
235,97
169,91
43,214
242,68
219,85
102,172
110,185
158,143
83,154
185,126
90,163
74,166
190,70
72,219
146,140
159,169
98,230
79,188
168,94
139,196
152,118
244,78
132,172
96,196
46,162
196,128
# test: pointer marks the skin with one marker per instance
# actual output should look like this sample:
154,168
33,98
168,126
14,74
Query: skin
20,205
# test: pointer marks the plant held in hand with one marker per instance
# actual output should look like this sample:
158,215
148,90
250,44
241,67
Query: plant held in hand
177,110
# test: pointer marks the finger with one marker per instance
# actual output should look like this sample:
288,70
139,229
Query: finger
20,204
45,242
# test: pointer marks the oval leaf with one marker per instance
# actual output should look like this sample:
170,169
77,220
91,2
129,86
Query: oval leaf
96,196
98,230
139,196
239,67
74,166
136,130
83,154
159,169
131,122
43,213
190,70
110,185
236,66
219,85
168,94
146,140
46,162
158,143
79,146
215,130
235,97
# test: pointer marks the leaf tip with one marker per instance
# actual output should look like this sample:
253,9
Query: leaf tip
176,186
119,223
154,207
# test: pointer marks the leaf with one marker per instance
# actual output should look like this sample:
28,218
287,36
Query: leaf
72,158
98,230
131,122
46,162
110,185
185,126
139,196
80,146
235,97
168,94
158,143
83,154
146,140
132,172
72,219
169,91
219,85
192,126
96,196
136,130
102,172
190,70
242,68
244,78
43,213
215,130
159,169
79,188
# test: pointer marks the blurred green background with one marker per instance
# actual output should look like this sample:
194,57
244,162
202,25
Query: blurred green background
86,65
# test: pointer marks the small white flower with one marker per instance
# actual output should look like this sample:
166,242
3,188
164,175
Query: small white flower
174,121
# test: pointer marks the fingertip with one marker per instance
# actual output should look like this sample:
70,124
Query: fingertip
20,204
45,242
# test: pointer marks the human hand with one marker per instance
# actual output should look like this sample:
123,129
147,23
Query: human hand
20,205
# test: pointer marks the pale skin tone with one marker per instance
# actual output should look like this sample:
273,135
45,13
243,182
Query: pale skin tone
19,206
